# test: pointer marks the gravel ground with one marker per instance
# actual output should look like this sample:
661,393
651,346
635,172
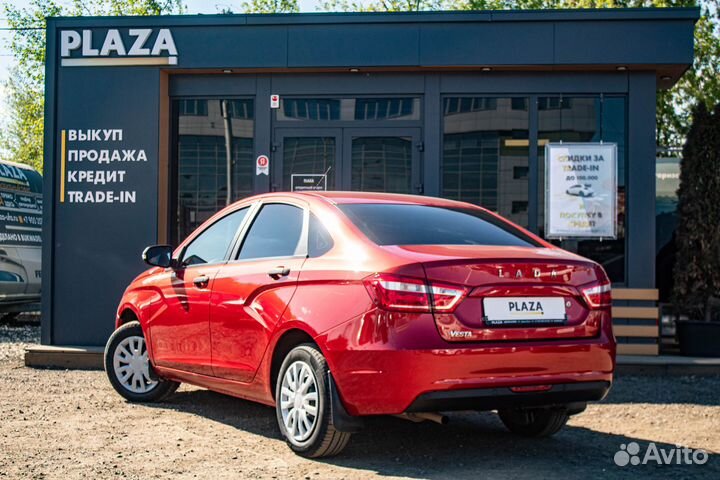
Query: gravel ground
71,424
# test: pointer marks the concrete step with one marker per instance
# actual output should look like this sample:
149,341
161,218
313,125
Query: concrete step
666,365
66,357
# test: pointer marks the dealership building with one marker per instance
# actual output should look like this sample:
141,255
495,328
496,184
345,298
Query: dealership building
155,123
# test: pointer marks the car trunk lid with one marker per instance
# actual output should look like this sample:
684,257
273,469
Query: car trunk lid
512,293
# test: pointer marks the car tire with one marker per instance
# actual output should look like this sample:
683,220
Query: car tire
534,422
303,406
128,367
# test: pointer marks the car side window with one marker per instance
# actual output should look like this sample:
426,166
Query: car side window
212,244
275,232
319,240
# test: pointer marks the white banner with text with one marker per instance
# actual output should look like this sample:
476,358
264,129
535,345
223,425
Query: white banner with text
580,190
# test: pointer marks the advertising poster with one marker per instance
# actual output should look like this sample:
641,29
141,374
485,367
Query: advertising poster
580,190
20,207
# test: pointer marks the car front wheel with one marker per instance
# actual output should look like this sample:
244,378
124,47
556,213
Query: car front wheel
534,422
302,400
128,368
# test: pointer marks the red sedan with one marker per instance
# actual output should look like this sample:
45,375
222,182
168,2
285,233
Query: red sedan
332,306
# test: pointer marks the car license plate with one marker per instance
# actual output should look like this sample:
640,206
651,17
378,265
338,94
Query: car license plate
514,311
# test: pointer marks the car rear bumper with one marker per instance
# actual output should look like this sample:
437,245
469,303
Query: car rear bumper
387,375
496,398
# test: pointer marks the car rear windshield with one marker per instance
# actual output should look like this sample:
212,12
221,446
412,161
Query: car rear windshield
403,224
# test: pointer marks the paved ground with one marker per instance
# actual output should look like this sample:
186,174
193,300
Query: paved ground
71,424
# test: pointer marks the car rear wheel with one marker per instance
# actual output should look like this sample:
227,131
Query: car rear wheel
302,400
129,370
534,422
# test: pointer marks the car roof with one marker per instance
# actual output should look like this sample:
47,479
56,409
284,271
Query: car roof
339,198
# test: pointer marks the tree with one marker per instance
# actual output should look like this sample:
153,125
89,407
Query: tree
387,5
697,268
271,6
700,84
21,139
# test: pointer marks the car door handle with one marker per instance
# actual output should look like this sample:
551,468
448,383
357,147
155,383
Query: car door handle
201,281
278,272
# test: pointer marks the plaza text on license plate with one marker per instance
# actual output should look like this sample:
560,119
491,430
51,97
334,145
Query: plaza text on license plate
519,311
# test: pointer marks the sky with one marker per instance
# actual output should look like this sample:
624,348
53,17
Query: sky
193,6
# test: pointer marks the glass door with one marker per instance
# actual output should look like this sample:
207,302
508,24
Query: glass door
382,160
361,159
307,158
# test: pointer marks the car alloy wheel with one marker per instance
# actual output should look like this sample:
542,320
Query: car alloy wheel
131,366
299,401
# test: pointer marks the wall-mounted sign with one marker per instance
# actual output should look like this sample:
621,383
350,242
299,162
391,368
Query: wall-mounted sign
308,182
134,46
274,101
97,165
262,165
580,190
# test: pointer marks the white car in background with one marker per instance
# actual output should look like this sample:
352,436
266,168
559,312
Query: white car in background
580,190
20,238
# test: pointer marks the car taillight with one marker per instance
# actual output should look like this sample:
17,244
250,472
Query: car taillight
598,296
407,294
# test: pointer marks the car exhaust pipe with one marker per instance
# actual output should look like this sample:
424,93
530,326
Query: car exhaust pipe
423,416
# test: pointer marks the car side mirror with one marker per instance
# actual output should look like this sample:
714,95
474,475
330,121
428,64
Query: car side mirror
158,256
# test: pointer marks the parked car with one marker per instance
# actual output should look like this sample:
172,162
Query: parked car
333,306
20,237
580,190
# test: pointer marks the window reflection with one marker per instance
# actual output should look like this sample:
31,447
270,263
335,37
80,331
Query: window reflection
309,155
202,161
382,164
349,109
309,109
485,153
667,182
384,108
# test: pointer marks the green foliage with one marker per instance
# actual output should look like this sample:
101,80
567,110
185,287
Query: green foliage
270,6
386,5
21,139
697,268
700,84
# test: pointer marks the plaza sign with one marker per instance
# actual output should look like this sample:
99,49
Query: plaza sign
580,190
134,46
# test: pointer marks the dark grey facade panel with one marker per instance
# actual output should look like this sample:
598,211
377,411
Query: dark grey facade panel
507,43
353,46
218,47
49,179
383,40
96,247
623,43
432,136
263,130
533,166
572,15
640,222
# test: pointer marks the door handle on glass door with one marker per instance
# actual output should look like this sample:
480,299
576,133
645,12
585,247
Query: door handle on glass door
201,281
278,272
